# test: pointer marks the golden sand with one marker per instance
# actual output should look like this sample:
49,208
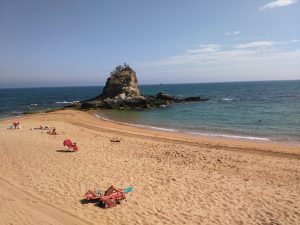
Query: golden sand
177,178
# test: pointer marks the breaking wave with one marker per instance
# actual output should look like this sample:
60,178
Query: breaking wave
66,102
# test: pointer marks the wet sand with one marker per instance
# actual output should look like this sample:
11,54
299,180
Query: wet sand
177,178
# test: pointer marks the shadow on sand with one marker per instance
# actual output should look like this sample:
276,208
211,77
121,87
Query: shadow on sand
65,151
96,202
85,201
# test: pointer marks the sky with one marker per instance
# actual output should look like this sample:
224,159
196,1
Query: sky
78,43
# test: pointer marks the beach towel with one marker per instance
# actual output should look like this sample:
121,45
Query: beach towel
10,127
92,195
128,189
112,199
108,201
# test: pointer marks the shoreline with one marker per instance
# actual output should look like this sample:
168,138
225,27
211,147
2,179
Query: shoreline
281,139
231,181
194,136
225,136
185,131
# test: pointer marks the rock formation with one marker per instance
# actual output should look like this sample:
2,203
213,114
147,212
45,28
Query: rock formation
122,92
122,83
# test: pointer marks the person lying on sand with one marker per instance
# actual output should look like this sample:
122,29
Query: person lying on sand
93,194
96,194
52,132
41,128
110,198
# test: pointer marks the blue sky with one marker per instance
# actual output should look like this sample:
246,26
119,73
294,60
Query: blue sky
72,42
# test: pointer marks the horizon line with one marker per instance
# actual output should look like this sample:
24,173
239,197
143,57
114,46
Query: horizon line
209,82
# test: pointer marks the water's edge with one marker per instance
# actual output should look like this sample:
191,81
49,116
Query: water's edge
200,134
182,131
263,111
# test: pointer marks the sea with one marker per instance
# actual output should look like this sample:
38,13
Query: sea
260,110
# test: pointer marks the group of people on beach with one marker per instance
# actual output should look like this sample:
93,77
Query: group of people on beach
51,131
106,199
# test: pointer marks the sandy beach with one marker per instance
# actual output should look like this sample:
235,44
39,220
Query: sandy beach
177,178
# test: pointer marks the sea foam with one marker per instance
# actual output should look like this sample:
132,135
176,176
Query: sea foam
226,99
138,125
66,102
231,136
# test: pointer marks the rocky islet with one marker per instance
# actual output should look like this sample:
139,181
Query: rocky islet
122,92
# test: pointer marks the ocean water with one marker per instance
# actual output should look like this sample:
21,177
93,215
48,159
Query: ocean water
16,101
266,110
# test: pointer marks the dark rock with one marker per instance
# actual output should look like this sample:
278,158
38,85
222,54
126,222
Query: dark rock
195,99
164,96
122,92
121,84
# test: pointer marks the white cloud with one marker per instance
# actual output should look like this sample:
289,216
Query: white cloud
278,3
257,44
264,44
214,57
236,32
293,41
224,64
262,60
204,49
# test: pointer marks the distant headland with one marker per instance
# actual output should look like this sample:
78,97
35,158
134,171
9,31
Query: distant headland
122,92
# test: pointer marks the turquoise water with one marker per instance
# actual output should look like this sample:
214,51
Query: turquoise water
268,110
253,110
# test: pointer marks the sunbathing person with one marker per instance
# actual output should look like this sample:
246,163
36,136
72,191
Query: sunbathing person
53,132
96,194
93,194
110,198
41,128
